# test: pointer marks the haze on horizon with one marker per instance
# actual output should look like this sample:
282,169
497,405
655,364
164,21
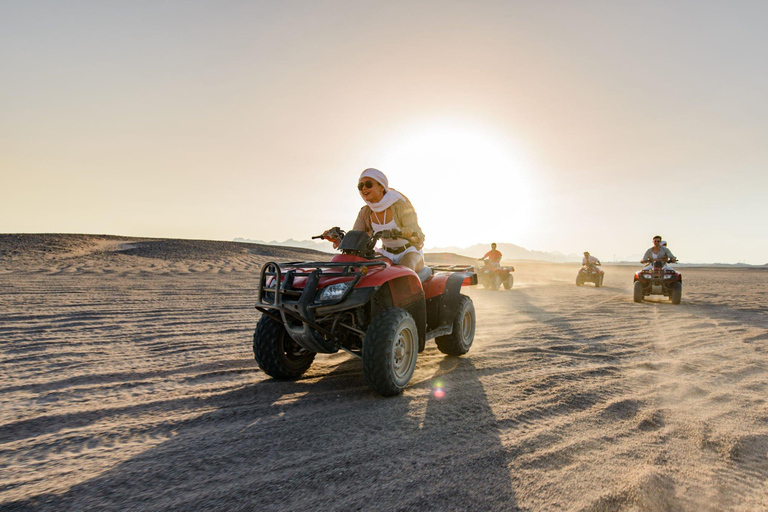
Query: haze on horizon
555,126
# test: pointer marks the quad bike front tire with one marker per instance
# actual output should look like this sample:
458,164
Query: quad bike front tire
579,280
598,281
602,276
638,296
276,353
390,350
677,293
494,282
508,282
460,340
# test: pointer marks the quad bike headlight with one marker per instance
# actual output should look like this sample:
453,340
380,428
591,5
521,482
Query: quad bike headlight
669,276
334,291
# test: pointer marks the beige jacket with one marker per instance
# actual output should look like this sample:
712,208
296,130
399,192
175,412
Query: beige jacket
404,216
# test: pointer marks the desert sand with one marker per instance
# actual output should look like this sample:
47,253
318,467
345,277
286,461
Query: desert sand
128,383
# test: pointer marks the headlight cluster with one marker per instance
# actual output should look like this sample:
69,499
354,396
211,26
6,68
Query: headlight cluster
334,291
669,276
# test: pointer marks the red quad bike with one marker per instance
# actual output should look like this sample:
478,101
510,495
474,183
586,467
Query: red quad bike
362,303
492,276
590,274
658,279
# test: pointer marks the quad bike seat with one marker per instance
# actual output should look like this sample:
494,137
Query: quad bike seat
425,273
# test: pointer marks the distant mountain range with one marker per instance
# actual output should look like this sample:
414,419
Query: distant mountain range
510,251
303,244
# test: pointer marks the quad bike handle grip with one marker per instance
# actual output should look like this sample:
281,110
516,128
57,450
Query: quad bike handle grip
334,233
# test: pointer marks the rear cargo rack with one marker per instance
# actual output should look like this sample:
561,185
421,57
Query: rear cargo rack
452,268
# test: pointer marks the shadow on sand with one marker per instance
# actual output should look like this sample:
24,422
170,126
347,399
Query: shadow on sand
325,444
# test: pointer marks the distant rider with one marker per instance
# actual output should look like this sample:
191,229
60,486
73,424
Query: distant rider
658,253
387,209
589,261
493,256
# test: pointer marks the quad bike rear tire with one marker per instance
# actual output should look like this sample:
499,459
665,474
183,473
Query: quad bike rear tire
638,296
460,340
390,350
677,293
494,282
508,282
276,353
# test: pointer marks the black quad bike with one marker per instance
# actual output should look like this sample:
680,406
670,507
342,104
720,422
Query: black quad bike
590,274
659,279
492,275
361,303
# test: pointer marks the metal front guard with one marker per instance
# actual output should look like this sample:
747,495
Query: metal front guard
299,317
657,285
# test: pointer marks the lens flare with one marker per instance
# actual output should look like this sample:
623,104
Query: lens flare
437,388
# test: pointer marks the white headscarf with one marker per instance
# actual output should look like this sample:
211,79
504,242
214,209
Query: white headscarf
376,175
391,196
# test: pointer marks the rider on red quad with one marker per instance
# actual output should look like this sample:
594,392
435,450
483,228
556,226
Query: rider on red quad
658,252
388,209
493,256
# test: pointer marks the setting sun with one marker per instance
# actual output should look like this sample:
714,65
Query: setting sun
463,180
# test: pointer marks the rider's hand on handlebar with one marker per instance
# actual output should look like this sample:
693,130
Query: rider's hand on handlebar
328,235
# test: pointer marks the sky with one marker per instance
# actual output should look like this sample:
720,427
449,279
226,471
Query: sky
554,125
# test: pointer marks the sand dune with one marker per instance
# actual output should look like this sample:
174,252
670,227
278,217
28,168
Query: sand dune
128,382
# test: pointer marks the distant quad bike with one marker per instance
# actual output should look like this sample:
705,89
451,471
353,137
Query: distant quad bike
590,274
363,304
659,279
492,276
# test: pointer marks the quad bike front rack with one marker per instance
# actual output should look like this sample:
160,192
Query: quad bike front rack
301,302
283,286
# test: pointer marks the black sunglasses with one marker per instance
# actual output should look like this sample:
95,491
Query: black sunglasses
366,184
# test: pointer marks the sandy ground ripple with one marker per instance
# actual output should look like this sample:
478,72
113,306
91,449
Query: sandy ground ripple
128,382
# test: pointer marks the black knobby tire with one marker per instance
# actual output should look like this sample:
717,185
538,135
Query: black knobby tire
460,340
495,282
390,350
638,297
276,353
677,293
579,280
508,282
598,281
602,276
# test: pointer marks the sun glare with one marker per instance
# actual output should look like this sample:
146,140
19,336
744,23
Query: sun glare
467,186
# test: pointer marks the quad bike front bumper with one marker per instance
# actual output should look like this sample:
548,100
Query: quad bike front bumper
299,309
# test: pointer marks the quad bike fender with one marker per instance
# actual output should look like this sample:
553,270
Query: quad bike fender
399,294
449,301
390,274
436,285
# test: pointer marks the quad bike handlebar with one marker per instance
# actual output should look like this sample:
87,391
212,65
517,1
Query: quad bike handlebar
333,234
664,259
353,242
